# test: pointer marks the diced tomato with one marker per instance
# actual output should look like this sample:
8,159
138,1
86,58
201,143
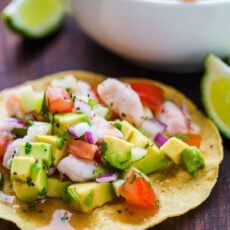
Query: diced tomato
82,149
192,139
150,94
58,100
2,147
136,190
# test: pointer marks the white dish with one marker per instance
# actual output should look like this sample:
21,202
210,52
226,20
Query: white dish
168,34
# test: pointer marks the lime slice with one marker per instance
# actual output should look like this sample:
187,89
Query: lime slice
34,18
215,90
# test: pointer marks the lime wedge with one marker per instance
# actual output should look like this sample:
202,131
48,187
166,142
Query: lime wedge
215,91
34,18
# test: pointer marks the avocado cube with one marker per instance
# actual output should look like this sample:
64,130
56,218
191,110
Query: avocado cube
35,187
21,168
30,101
117,152
173,149
63,121
154,160
24,192
57,188
192,160
58,148
134,136
87,196
40,151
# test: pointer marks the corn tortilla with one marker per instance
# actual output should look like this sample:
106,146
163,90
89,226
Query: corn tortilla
178,191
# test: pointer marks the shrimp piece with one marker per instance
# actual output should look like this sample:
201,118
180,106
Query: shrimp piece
122,99
78,170
173,117
85,89
100,127
13,104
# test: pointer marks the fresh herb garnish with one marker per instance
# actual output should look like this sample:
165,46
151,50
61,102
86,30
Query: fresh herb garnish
28,148
183,136
104,147
117,125
43,192
157,202
89,199
19,132
59,143
32,207
132,180
92,103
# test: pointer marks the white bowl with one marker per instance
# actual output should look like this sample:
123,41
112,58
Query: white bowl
168,34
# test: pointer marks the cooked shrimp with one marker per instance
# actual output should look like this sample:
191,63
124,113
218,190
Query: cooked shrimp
173,117
78,170
100,127
13,104
122,99
84,89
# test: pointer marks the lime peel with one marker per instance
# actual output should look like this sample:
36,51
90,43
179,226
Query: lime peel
34,18
215,91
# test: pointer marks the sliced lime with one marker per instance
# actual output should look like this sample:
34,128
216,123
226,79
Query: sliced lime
215,90
34,18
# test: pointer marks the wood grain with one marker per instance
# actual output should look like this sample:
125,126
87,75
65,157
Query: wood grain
70,48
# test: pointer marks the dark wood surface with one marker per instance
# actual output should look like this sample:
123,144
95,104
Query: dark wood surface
70,48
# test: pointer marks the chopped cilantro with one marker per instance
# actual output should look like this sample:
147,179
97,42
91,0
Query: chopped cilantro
32,207
157,202
89,199
19,132
132,180
92,103
104,147
117,125
43,192
66,198
59,143
28,148
183,136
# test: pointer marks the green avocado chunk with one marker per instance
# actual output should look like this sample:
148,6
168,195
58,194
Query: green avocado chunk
21,168
134,136
63,121
154,160
35,187
39,150
58,148
192,160
57,188
87,196
117,152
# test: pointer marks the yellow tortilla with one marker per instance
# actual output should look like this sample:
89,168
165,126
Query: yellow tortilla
178,191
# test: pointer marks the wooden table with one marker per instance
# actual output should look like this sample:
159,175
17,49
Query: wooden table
70,48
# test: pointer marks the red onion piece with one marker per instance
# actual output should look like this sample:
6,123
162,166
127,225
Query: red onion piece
63,177
10,123
107,177
160,139
153,126
79,129
89,137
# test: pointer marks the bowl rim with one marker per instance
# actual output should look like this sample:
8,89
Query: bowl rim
183,2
